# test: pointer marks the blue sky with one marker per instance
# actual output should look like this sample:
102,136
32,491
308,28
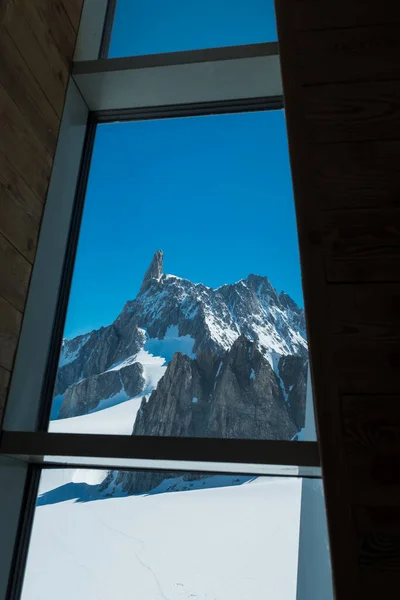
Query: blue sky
214,193
153,26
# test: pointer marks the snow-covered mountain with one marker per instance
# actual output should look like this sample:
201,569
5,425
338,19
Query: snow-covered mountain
203,361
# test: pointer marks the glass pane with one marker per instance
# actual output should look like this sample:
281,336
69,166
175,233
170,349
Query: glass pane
177,321
172,25
165,535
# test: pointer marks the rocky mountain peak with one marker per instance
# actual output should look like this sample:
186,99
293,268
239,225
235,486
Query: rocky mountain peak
247,319
154,272
287,302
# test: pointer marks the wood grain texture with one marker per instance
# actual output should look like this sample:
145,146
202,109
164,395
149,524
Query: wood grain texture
356,175
361,245
30,35
365,365
20,211
19,143
353,112
351,314
15,272
343,539
313,14
380,551
36,48
371,425
340,70
348,54
10,324
51,19
73,8
23,88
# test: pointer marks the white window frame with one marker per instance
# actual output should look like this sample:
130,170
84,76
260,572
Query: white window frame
200,82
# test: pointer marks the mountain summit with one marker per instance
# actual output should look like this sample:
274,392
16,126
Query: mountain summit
154,272
225,362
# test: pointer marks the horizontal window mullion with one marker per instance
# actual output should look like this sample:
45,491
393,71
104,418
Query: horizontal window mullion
207,450
195,109
167,59
159,80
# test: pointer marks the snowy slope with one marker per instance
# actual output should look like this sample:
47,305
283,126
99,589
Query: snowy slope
118,420
229,543
116,414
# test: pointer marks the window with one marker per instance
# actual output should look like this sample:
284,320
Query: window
199,343
166,302
192,536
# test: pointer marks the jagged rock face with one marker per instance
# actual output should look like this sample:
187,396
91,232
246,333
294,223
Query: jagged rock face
154,272
141,482
247,401
96,352
84,396
293,373
220,323
216,318
178,405
242,399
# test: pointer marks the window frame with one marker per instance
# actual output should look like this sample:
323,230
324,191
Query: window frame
24,441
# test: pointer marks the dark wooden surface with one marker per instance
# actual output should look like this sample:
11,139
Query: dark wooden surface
37,40
341,76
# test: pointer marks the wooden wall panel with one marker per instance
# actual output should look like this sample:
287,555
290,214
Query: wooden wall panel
20,144
24,90
37,41
348,54
20,211
340,68
15,272
356,174
313,14
361,245
31,36
352,112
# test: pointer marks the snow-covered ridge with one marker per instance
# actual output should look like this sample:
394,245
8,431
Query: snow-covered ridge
171,314
70,351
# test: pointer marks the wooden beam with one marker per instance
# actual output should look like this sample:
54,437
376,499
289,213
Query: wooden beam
15,272
73,9
341,83
20,211
350,175
309,15
19,143
34,42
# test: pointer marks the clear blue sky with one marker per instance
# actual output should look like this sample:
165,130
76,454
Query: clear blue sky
153,26
214,193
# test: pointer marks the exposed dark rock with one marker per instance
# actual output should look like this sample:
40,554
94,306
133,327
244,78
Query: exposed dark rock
84,396
242,399
97,352
247,401
154,272
179,405
293,373
228,390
